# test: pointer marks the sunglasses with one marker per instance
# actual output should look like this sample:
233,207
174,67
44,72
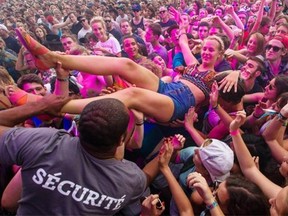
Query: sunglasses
274,48
136,10
107,21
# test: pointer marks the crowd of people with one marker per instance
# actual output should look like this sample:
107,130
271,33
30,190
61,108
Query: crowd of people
144,107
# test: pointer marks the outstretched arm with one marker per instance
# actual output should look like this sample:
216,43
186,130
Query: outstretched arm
16,115
182,202
183,42
278,124
190,118
246,161
259,17
197,181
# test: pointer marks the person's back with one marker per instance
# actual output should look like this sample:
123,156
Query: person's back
85,175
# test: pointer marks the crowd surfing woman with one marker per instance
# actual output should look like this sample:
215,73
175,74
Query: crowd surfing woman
172,102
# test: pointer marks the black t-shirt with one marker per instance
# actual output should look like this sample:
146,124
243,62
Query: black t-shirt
76,27
12,44
166,25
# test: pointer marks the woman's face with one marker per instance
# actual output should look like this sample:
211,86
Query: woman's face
195,6
185,19
39,33
252,44
279,203
130,47
99,31
222,196
270,90
210,52
160,62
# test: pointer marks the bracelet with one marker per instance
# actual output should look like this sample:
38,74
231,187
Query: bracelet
63,79
216,107
280,116
139,124
212,205
285,123
234,133
257,117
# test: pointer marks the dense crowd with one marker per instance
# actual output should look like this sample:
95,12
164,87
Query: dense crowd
144,108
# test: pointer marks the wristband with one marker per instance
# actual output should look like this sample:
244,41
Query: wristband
234,133
63,79
212,205
139,124
280,116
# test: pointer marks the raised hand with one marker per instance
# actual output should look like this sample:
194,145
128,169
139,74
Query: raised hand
152,206
190,117
214,95
238,121
178,141
197,181
229,9
61,72
165,153
175,13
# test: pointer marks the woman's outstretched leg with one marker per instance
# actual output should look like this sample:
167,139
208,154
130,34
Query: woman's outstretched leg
100,65
152,104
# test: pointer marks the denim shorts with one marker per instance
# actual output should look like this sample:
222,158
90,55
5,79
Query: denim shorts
181,95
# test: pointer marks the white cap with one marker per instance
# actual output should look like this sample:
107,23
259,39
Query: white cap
218,159
3,27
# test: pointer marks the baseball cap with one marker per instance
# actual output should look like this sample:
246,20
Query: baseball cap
136,7
90,5
218,158
3,27
283,39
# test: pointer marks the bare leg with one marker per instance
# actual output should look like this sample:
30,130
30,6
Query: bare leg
158,106
126,68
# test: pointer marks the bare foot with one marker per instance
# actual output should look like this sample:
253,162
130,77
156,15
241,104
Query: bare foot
43,56
19,97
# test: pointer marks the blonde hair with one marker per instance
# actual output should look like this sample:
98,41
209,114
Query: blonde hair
98,19
1,40
5,79
219,40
